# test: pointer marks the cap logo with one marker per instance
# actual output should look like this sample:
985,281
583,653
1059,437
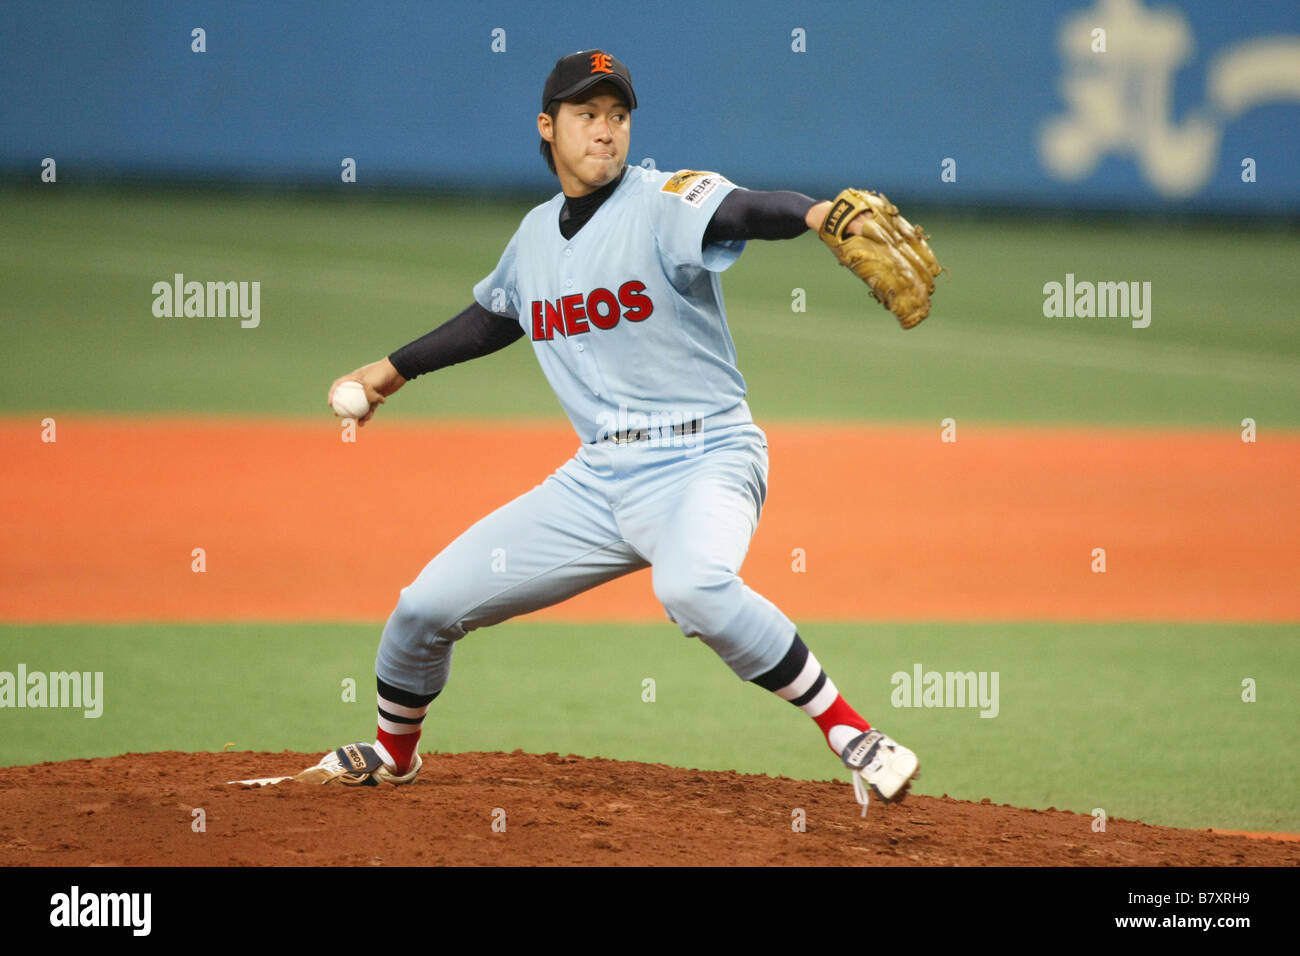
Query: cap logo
600,63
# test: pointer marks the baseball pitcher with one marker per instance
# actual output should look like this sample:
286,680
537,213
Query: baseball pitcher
615,282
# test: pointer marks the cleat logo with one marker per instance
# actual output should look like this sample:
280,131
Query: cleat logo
354,756
862,751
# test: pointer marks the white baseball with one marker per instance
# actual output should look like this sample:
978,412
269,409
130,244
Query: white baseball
350,400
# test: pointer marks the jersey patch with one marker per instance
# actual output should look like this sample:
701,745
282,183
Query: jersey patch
693,186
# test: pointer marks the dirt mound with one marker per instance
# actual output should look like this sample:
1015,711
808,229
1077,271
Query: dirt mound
139,809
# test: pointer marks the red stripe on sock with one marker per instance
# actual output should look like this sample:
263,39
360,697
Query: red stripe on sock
401,746
840,713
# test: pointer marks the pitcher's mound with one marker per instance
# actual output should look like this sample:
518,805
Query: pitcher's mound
520,809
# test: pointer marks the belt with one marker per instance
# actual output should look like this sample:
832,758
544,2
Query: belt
693,427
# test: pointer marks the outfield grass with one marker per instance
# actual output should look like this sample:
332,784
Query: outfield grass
1143,720
344,282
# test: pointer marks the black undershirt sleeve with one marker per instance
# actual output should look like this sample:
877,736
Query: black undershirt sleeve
473,333
754,214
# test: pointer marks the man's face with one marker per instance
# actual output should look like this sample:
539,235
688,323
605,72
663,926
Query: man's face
589,138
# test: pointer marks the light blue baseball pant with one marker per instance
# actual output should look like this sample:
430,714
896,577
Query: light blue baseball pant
686,507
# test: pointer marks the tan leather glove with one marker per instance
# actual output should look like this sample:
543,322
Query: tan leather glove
891,256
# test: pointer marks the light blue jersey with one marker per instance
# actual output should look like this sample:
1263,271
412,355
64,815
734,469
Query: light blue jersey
628,323
626,318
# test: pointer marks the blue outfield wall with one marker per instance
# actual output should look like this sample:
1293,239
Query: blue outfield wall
1018,95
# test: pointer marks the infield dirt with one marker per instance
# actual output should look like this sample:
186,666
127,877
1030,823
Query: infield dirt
889,522
138,810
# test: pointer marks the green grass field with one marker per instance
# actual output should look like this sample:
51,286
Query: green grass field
1145,721
344,282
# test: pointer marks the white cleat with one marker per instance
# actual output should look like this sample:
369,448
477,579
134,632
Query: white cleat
384,775
882,764
357,765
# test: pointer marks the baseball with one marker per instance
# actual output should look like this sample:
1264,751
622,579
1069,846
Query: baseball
350,400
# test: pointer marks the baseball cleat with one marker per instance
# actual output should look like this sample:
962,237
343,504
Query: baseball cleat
357,765
384,775
882,764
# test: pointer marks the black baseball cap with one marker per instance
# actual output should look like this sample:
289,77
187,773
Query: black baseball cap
582,70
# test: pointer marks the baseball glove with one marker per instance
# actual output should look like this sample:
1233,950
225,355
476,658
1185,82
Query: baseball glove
891,256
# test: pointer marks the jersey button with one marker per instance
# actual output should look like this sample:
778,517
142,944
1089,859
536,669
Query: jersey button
568,283
568,252
579,346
